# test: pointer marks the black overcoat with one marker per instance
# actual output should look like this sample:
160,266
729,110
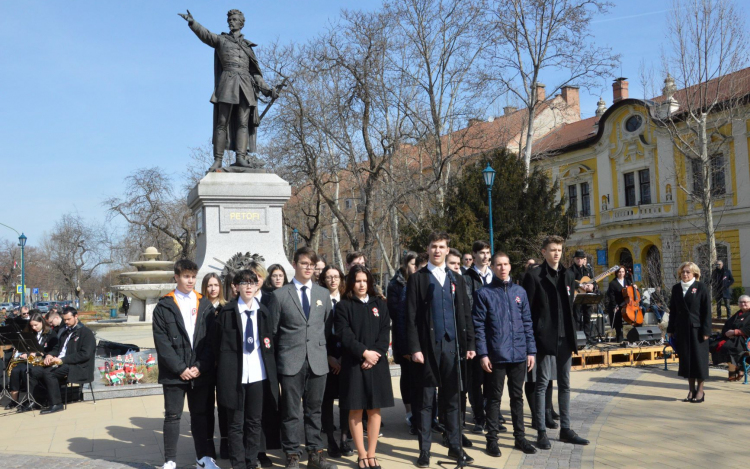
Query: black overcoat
733,348
545,323
79,354
420,331
689,323
229,352
363,326
615,298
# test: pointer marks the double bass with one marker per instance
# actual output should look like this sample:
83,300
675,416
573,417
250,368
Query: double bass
631,310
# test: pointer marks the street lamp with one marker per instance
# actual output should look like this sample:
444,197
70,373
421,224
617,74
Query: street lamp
489,179
295,234
22,242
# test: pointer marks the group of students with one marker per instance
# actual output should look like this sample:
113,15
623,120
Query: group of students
276,355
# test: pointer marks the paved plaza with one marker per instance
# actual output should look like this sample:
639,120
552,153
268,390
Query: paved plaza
634,417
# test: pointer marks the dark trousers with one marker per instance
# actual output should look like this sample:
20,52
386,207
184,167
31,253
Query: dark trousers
719,303
529,388
406,383
245,426
516,373
477,389
50,378
307,387
174,401
445,352
245,131
543,375
17,376
221,411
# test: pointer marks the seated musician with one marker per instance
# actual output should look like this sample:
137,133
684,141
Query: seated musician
54,321
45,337
71,359
733,341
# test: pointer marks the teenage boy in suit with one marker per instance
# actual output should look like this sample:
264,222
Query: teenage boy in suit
437,315
182,325
300,310
246,368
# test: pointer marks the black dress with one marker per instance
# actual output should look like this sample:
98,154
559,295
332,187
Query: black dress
364,326
730,349
690,322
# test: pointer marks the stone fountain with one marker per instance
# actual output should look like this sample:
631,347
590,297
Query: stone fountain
152,280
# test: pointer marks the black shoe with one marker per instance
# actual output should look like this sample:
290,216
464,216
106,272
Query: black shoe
500,418
345,449
333,449
569,436
27,407
555,415
502,429
211,449
264,460
224,448
525,445
465,442
52,409
698,401
478,429
493,449
437,427
317,460
459,454
542,442
549,421
424,459
11,405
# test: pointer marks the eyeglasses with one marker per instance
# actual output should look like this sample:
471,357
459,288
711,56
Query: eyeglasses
333,278
306,265
248,284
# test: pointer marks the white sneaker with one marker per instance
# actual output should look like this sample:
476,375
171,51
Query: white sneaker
169,465
206,463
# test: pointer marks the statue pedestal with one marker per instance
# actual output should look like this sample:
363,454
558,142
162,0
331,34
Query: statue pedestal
238,212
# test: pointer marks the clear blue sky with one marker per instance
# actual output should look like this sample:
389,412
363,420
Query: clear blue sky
93,90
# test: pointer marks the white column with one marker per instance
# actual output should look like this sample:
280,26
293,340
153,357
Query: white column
741,163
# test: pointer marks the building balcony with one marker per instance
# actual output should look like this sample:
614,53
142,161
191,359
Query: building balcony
638,212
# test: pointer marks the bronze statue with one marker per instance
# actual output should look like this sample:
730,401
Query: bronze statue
237,82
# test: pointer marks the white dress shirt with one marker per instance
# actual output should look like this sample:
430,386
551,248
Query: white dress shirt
258,296
298,285
253,369
486,278
188,304
437,271
64,348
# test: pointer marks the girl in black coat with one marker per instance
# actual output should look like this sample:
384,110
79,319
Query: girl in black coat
615,300
46,338
690,326
363,326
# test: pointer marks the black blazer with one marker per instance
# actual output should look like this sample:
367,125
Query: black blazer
420,331
49,341
692,309
79,354
228,348
545,325
614,294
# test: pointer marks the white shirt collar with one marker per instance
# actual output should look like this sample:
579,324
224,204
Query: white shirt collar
489,272
299,284
336,297
183,295
242,306
431,267
366,299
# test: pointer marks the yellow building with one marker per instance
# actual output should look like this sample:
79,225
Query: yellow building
628,188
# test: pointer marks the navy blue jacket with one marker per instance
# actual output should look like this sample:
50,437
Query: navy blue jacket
502,323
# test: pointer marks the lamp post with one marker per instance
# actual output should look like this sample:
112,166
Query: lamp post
489,179
22,242
295,234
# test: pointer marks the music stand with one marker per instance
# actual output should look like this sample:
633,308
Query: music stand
591,299
25,342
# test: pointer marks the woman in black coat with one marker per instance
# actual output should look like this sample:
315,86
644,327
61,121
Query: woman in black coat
689,327
363,326
732,343
615,300
46,338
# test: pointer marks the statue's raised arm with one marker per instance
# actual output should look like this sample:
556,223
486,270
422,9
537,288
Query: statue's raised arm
188,17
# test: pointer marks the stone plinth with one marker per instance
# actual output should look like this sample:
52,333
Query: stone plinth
238,212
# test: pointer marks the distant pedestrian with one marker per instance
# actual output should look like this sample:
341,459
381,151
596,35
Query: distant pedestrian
721,281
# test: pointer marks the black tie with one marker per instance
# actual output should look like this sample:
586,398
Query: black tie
305,302
334,301
249,333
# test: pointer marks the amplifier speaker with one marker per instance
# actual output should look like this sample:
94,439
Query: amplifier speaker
580,339
644,334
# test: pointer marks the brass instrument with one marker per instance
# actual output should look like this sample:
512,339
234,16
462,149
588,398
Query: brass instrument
35,360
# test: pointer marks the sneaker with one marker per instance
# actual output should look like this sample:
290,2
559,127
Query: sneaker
493,449
169,465
206,462
292,461
317,460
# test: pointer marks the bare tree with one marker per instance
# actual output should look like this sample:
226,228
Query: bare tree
536,37
156,216
707,50
76,249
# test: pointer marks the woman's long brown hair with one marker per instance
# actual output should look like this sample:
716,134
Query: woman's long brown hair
351,278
